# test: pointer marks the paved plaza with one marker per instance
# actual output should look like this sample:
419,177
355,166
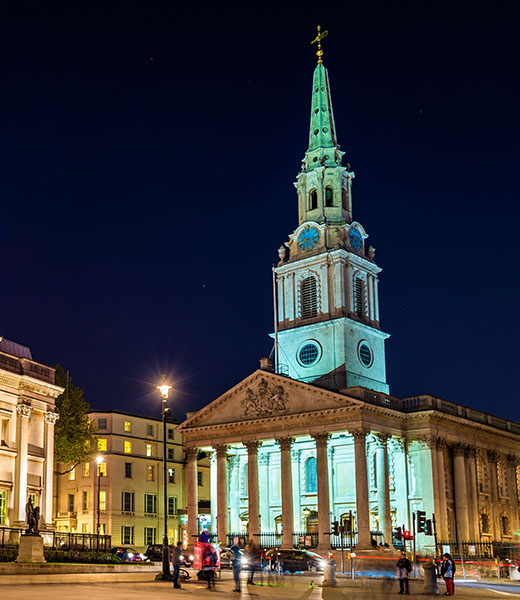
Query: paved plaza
104,586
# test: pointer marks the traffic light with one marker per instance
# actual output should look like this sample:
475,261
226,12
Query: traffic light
428,527
335,528
398,533
407,535
421,521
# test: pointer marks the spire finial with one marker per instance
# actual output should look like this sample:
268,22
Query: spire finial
317,39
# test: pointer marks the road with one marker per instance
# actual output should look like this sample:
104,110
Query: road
285,588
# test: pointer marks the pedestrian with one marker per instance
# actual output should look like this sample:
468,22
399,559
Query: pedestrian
176,563
404,566
448,572
236,563
210,566
254,559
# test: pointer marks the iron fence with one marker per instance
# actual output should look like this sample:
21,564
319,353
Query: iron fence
59,540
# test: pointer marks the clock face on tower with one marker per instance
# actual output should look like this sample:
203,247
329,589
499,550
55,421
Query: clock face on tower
355,239
308,239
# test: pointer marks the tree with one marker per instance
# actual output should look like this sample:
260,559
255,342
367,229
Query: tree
74,439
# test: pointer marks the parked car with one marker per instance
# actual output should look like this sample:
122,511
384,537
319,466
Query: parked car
127,554
154,553
293,560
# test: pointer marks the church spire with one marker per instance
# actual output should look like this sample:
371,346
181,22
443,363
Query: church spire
323,148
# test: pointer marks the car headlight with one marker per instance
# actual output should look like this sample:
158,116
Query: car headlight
244,561
192,557
323,563
130,555
181,557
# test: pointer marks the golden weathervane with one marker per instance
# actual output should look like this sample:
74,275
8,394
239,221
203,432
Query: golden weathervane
317,39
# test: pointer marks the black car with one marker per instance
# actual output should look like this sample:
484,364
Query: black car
154,553
293,560
126,554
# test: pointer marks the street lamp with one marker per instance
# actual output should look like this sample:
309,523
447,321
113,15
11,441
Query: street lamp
99,460
164,389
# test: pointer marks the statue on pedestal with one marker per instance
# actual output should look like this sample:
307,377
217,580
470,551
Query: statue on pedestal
32,516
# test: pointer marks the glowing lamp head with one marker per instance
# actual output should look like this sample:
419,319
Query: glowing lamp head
99,459
164,388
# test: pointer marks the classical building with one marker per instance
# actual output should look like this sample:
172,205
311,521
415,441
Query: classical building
27,418
126,493
304,442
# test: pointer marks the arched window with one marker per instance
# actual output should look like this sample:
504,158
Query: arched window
311,476
309,297
484,522
313,199
329,197
359,297
344,199
504,525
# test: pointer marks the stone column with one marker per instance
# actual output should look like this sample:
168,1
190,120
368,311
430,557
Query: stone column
322,466
193,495
441,511
50,419
383,487
222,493
473,516
23,412
213,491
252,488
362,508
461,498
287,492
512,463
493,492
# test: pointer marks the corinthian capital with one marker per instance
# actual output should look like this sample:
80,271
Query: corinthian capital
23,410
191,453
380,439
459,450
51,417
221,450
358,434
285,443
321,439
252,447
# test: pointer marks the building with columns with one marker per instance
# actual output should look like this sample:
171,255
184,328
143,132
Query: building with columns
315,433
27,419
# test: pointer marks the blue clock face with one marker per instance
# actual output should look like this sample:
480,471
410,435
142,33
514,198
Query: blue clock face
355,239
308,239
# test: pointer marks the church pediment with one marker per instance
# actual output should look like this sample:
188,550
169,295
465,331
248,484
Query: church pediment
265,395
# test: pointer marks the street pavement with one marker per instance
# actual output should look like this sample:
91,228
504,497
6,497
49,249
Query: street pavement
287,587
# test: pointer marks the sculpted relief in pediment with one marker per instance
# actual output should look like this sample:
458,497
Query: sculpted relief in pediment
266,400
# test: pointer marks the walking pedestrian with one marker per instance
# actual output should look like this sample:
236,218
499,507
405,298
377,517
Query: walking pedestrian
404,566
176,563
210,566
448,572
236,563
254,556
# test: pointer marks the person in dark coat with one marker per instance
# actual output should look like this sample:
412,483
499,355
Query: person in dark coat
176,563
404,566
448,572
236,563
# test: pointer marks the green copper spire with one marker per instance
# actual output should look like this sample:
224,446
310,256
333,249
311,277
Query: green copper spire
323,148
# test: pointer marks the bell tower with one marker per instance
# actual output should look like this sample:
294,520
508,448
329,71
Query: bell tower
328,327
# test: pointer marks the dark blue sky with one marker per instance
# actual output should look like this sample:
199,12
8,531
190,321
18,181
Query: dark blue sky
148,155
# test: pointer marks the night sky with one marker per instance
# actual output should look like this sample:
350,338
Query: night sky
148,153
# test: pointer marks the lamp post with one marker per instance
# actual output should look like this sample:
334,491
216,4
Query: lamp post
164,389
99,460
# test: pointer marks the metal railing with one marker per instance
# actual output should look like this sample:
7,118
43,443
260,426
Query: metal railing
59,540
470,550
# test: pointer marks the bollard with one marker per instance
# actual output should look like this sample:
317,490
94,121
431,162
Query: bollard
329,573
430,579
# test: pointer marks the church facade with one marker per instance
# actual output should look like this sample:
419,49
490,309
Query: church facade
315,435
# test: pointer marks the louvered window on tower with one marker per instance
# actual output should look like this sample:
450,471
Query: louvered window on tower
313,199
329,197
359,291
344,198
309,297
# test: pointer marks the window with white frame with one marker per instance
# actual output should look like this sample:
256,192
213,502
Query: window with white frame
172,506
127,534
150,504
149,536
127,502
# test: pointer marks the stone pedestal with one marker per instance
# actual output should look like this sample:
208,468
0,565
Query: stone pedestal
430,579
30,549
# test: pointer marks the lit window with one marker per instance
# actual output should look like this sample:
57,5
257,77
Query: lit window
149,473
102,500
72,474
171,475
199,478
102,444
86,469
311,475
128,426
128,447
3,507
102,423
149,449
84,528
309,297
103,469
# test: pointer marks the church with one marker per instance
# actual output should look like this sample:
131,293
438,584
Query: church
314,435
